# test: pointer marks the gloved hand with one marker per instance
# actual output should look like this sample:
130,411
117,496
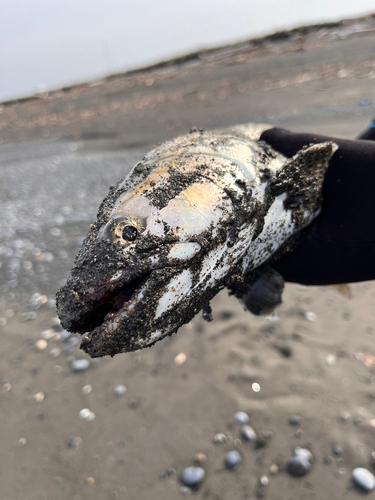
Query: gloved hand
339,245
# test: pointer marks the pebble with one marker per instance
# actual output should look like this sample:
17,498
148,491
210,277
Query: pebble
274,469
295,420
134,403
70,344
180,358
168,473
229,438
87,415
263,438
241,418
39,397
90,480
6,386
331,359
55,352
22,441
309,315
79,365
200,458
28,316
192,477
248,433
363,478
86,389
285,351
48,334
75,442
64,335
340,472
298,466
264,481
225,315
232,459
185,491
304,452
337,451
300,463
220,438
119,391
41,344
344,416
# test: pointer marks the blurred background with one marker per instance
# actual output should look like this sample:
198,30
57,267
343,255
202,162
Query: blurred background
48,44
78,109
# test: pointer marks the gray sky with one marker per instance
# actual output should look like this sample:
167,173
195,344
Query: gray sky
56,43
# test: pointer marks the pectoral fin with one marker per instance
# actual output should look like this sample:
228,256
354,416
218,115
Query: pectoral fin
261,292
301,178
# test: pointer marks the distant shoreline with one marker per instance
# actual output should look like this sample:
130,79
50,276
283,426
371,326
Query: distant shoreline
213,54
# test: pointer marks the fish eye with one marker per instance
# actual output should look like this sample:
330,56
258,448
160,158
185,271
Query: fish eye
129,233
123,229
127,230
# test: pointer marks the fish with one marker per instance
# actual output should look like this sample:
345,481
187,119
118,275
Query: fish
201,212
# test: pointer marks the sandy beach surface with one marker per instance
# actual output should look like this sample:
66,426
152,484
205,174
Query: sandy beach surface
307,380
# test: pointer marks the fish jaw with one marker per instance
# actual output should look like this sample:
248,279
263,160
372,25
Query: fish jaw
140,321
168,299
160,300
94,289
99,286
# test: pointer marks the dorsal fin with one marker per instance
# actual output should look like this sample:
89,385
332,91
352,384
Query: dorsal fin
301,179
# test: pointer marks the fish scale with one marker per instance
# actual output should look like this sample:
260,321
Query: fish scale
202,212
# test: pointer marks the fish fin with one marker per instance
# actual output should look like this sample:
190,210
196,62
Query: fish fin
343,289
261,292
301,179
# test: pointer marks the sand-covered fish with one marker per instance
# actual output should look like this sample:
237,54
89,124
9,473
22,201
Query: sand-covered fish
199,213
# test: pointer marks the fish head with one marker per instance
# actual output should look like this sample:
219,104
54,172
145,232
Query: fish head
136,279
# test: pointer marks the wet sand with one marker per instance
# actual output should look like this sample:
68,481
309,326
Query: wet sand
59,154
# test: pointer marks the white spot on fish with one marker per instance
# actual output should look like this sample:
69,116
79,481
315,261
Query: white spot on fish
155,226
278,226
154,260
195,209
155,335
184,251
116,276
210,261
134,205
113,325
178,288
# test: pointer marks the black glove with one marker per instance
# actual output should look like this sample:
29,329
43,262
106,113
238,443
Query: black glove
339,245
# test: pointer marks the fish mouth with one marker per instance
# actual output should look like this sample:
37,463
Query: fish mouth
118,319
116,302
